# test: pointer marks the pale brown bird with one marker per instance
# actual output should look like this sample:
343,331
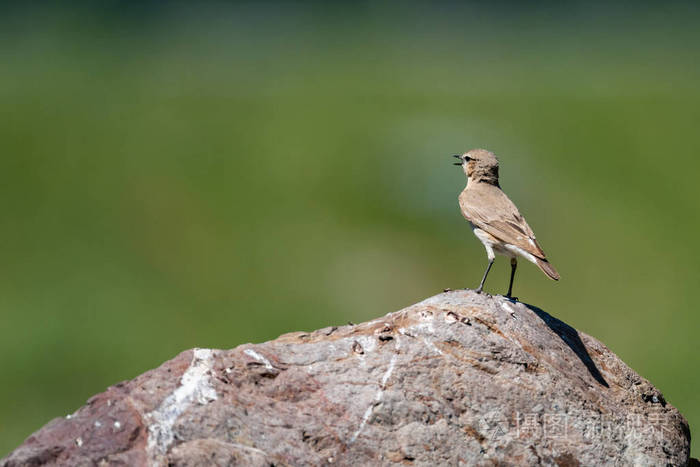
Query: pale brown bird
494,218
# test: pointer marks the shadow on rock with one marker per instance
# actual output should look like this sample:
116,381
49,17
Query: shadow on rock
570,336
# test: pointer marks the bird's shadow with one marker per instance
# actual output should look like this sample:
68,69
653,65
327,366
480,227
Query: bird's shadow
571,337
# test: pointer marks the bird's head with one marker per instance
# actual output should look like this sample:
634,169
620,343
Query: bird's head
479,165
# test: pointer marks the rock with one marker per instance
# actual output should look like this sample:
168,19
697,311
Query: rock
458,379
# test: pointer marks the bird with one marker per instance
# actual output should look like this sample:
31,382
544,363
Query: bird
494,219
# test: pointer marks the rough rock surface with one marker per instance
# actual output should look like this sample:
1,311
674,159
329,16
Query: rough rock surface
458,379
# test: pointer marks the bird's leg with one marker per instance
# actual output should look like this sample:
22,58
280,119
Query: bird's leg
483,279
513,265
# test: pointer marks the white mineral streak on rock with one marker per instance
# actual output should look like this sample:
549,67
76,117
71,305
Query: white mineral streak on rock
252,353
432,346
195,387
368,343
379,394
506,306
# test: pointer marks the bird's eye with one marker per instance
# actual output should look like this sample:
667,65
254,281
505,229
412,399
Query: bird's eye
467,158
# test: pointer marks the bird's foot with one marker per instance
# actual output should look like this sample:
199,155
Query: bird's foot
511,298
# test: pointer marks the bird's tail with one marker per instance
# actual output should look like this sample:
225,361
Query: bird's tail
548,269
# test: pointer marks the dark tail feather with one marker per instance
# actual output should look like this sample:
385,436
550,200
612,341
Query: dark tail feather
548,269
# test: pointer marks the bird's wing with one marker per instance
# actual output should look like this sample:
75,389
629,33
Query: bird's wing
489,209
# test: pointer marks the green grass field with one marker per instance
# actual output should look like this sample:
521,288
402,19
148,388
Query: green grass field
174,179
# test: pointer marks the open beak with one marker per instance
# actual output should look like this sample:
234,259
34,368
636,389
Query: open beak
460,159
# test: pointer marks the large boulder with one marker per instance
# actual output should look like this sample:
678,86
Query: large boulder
458,379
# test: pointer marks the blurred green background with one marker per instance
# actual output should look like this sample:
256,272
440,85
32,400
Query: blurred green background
181,175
